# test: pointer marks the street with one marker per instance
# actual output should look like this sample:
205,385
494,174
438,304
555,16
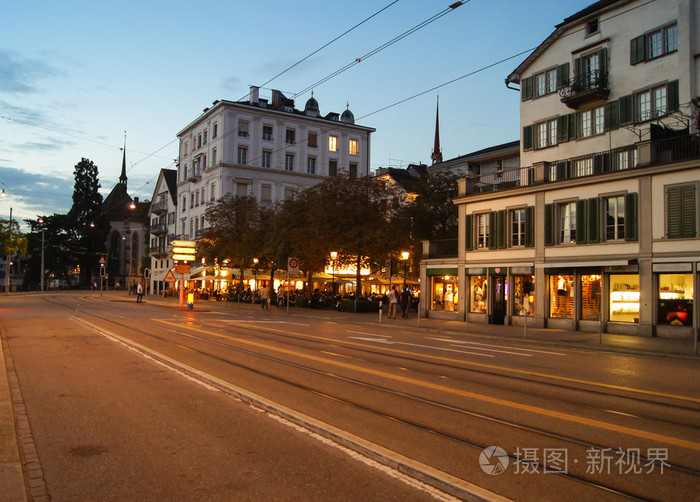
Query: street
132,401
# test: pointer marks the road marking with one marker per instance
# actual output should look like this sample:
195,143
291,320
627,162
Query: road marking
235,321
464,342
471,395
391,342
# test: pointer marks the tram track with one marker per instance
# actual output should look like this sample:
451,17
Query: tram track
417,425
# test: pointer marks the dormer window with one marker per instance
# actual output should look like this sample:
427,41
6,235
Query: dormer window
592,27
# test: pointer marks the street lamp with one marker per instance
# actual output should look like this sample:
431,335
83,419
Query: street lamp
405,255
7,290
334,255
255,274
41,222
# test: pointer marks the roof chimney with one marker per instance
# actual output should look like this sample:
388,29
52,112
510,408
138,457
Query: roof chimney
254,94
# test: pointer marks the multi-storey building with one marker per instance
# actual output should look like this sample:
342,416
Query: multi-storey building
263,149
602,230
163,227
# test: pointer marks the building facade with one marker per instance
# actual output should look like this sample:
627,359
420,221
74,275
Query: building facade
163,226
601,233
262,148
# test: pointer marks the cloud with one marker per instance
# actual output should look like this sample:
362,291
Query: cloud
20,75
36,193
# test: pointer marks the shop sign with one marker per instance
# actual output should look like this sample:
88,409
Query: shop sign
672,267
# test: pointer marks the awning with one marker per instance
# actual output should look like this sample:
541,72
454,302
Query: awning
590,263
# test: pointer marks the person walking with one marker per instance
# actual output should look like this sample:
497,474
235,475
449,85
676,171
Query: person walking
139,292
393,303
265,298
405,301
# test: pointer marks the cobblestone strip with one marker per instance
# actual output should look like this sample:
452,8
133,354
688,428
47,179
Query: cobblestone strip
31,465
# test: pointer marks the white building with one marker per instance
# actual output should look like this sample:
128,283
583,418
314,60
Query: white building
163,227
602,232
265,149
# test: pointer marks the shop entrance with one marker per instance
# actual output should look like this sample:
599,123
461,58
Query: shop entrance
498,294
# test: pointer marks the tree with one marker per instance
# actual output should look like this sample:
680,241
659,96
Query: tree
12,241
87,225
57,261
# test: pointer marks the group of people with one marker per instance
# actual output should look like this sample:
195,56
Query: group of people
396,299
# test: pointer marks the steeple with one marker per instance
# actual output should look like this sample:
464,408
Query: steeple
437,151
122,178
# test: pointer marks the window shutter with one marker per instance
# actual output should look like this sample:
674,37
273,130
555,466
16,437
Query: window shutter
626,109
581,221
502,229
612,115
603,54
527,137
562,75
493,230
469,232
638,49
672,99
674,216
530,226
526,89
597,164
572,125
593,220
631,217
549,225
578,69
562,128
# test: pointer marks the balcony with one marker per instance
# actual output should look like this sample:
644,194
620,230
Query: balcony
585,88
160,207
159,229
158,252
442,248
194,176
201,232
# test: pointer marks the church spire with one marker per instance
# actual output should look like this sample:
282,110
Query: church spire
122,178
436,156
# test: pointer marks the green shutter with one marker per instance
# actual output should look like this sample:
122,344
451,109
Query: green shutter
688,210
581,221
681,211
593,220
549,225
612,115
604,67
562,128
528,132
530,226
578,69
638,49
631,217
626,109
502,229
526,89
469,232
493,230
562,75
672,98
597,164
572,125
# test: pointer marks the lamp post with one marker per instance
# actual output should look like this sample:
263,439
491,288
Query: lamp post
41,281
405,255
7,288
255,274
334,255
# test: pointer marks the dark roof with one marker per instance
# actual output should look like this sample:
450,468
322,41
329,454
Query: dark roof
116,205
512,148
601,4
170,176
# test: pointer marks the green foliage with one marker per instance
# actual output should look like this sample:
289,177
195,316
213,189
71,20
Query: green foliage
12,241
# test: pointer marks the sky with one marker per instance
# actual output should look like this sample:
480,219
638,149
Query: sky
78,78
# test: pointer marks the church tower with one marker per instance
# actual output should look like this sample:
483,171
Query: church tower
436,156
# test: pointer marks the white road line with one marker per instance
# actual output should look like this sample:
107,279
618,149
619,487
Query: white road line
391,342
253,321
464,342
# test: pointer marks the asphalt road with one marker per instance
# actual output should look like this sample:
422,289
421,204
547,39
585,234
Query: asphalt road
111,423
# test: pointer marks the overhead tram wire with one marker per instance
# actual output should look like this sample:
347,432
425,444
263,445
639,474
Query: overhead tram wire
327,44
391,42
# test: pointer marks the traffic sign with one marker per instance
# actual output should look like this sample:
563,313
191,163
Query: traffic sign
293,266
170,277
183,250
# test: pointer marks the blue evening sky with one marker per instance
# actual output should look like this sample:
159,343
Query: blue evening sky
76,74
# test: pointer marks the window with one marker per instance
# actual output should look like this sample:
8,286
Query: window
187,146
290,137
191,200
196,199
651,103
546,82
311,165
478,289
243,128
517,227
266,158
267,133
205,136
567,222
583,167
241,190
546,133
332,143
212,193
288,193
482,230
213,156
332,168
289,162
184,203
444,293
199,140
215,132
353,147
592,122
499,169
266,193
312,140
242,155
675,299
614,218
655,44
204,194
681,210
561,294
592,27
353,171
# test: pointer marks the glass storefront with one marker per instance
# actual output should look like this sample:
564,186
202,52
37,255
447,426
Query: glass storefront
590,296
478,290
624,298
675,299
524,295
561,296
444,293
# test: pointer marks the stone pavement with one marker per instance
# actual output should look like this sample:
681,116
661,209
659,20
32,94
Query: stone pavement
12,486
